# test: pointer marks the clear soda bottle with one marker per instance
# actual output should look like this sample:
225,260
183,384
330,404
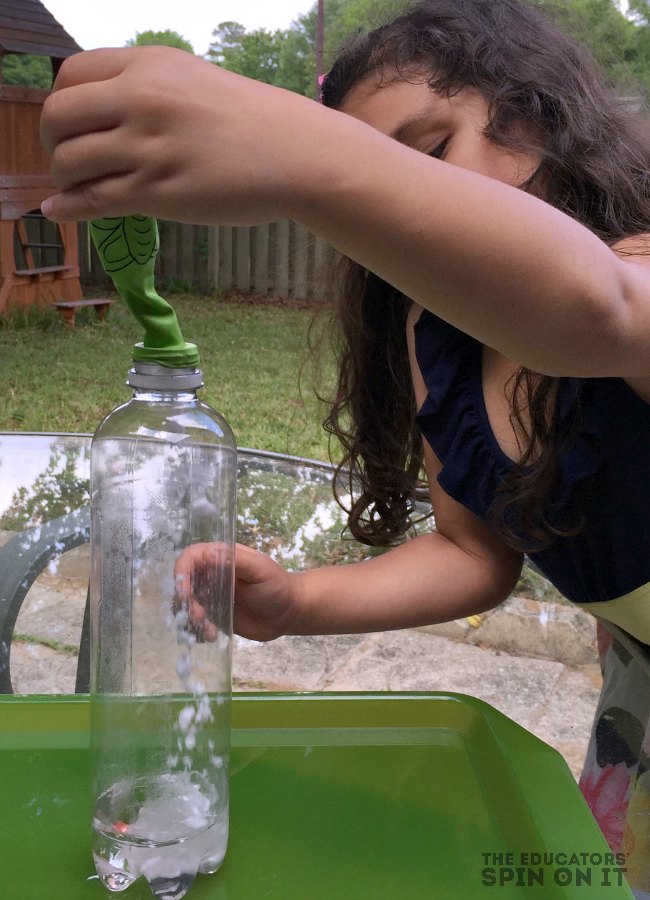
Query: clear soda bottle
163,478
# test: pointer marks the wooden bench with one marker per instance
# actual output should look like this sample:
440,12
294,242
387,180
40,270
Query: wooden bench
36,272
68,308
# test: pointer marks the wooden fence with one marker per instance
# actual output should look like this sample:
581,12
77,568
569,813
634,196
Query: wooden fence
282,258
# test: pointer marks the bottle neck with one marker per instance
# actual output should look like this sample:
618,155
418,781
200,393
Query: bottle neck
158,381
145,395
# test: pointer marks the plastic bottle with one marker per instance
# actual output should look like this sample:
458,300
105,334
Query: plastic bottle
163,479
163,470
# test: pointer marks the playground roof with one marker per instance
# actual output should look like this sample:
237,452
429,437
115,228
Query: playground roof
26,26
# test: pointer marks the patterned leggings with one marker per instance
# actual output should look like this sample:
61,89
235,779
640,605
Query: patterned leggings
616,777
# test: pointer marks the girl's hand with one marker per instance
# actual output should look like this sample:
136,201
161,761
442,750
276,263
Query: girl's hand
264,600
201,572
158,131
265,596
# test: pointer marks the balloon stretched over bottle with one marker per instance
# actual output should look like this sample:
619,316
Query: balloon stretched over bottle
163,481
127,247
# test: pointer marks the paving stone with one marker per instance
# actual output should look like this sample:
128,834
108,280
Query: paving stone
51,615
413,661
557,631
291,662
54,606
36,669
566,719
454,631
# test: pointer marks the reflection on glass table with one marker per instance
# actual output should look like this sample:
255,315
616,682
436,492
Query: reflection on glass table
285,504
286,509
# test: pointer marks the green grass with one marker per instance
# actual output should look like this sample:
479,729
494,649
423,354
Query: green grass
59,646
254,357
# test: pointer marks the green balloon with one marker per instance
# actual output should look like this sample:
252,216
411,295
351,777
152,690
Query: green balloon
127,247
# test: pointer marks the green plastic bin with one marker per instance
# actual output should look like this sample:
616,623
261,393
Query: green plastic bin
334,797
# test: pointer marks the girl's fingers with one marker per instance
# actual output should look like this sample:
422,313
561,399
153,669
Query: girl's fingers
198,559
196,613
76,161
92,65
210,631
107,197
77,110
201,624
184,568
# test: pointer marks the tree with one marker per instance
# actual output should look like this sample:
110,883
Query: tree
287,58
346,16
57,490
342,18
297,61
255,54
620,43
227,40
27,70
639,11
639,14
160,39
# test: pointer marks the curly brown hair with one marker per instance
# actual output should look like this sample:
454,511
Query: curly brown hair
593,166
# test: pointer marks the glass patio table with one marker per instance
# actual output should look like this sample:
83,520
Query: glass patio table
285,507
333,796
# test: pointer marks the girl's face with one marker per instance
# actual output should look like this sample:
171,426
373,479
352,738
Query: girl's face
446,128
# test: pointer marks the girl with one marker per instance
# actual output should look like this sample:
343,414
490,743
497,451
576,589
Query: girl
496,205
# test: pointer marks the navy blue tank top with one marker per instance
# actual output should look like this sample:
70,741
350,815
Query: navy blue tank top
603,479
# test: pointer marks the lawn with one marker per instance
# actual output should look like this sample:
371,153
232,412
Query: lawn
254,356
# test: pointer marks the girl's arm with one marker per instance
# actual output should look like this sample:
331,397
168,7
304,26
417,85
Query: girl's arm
460,570
195,143
463,568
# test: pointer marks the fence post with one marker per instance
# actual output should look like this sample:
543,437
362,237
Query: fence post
243,258
301,262
214,256
167,262
186,239
261,259
283,238
225,259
